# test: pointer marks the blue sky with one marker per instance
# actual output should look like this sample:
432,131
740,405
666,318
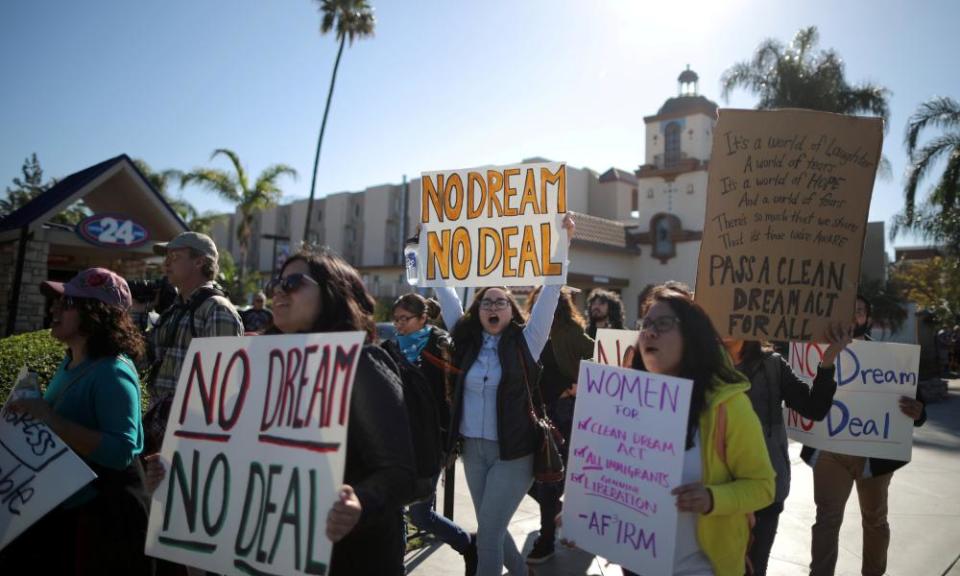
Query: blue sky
442,85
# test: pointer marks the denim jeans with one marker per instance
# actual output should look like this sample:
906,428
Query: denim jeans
426,518
497,488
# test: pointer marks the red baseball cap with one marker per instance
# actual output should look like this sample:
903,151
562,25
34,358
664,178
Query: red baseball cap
94,283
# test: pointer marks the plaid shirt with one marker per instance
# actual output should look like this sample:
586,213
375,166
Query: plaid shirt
216,316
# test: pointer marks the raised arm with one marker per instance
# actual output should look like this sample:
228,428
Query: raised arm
450,307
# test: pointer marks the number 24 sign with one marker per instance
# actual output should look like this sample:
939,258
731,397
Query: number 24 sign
112,230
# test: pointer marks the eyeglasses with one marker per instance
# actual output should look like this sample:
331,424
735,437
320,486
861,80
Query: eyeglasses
659,325
498,304
398,320
288,284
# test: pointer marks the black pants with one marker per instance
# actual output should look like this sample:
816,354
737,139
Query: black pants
764,532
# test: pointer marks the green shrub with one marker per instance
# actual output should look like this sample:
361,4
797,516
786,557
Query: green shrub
42,354
38,350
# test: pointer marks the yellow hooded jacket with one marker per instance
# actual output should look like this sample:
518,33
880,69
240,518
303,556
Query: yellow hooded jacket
738,473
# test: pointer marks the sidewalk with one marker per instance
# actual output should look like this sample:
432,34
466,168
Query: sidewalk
924,516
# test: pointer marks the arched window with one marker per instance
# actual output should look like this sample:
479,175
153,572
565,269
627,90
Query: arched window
671,152
663,229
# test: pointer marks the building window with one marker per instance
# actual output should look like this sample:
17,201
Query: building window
356,210
672,145
319,215
689,188
663,228
634,200
649,192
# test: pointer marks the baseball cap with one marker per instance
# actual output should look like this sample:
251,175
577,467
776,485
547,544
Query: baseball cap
195,240
94,283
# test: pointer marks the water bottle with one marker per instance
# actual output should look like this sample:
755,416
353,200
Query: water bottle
410,263
27,385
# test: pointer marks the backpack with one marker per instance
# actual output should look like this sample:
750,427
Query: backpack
426,426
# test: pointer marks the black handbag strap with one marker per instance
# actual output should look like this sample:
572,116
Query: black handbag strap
526,382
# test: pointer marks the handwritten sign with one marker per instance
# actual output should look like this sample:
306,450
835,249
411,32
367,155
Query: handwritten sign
787,201
255,449
615,347
626,454
38,471
494,226
865,419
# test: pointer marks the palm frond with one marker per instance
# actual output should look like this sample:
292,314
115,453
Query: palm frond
241,173
216,181
941,113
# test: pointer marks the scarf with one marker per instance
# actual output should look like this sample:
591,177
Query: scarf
413,344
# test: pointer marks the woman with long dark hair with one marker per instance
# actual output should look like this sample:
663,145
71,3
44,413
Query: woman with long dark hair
726,473
773,384
568,345
426,348
497,353
93,404
317,291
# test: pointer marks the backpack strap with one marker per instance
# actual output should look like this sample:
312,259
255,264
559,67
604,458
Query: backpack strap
771,369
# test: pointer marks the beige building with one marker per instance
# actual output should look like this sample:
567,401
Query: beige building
634,229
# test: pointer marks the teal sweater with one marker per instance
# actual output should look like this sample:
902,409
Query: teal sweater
105,397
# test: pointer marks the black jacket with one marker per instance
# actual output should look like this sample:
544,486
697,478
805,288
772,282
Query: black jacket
379,467
515,427
772,384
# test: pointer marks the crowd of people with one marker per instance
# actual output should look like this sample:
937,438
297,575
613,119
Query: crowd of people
489,371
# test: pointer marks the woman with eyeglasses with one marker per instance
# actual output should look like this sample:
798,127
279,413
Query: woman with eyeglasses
426,348
317,291
497,355
93,404
726,471
773,384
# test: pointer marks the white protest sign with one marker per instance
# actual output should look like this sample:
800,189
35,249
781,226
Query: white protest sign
37,472
494,226
615,347
865,419
626,454
255,449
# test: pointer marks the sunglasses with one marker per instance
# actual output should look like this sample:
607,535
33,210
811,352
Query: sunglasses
288,284
68,303
660,325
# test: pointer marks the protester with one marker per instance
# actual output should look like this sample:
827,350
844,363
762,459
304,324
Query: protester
259,317
497,357
427,349
944,350
568,344
318,291
834,476
605,310
773,383
725,478
93,404
190,263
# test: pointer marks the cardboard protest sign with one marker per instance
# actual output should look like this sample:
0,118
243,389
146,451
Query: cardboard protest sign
787,201
254,449
615,347
38,471
494,226
626,454
865,419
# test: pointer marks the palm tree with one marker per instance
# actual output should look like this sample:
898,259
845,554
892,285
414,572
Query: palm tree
938,218
800,76
353,19
161,182
235,187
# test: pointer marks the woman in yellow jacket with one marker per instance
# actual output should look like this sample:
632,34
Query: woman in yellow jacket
727,473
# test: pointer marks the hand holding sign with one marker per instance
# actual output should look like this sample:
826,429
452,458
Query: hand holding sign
694,498
839,336
344,515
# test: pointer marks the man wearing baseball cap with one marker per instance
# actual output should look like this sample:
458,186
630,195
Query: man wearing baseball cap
201,310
